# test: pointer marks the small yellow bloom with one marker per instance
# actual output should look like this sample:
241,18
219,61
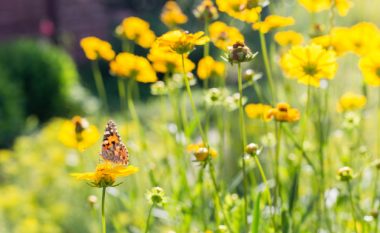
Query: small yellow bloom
106,174
165,60
127,65
182,42
208,67
240,9
272,22
95,48
288,38
370,68
206,9
315,5
137,30
223,35
309,64
351,101
172,15
201,152
338,39
78,133
343,6
258,111
364,37
284,113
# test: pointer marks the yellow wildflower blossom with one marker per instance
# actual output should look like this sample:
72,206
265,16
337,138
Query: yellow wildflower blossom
181,41
78,133
343,6
106,174
288,38
223,35
364,37
172,15
240,9
256,111
95,48
351,101
338,39
315,5
208,67
166,60
137,30
201,152
370,68
127,65
309,64
284,113
272,22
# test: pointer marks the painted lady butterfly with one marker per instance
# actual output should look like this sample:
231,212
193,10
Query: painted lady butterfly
112,148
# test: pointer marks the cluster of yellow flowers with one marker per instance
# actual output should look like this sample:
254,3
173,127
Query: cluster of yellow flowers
95,48
243,10
172,15
137,30
127,65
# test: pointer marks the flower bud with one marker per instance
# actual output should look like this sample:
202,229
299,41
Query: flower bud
156,196
252,149
206,10
238,53
158,88
345,174
92,199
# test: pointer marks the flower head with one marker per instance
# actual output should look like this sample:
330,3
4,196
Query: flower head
345,174
238,53
364,38
252,149
182,42
208,67
284,113
137,30
106,174
172,15
156,196
258,111
370,68
223,35
95,48
78,133
244,10
215,96
127,65
206,9
309,64
272,22
288,38
343,6
351,101
201,152
338,39
315,5
158,88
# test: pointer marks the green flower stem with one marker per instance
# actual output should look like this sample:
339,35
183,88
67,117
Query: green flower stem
216,187
349,188
99,83
378,124
194,108
103,214
122,96
148,219
267,67
206,49
244,143
278,127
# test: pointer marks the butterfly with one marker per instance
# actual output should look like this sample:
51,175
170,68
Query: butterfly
112,148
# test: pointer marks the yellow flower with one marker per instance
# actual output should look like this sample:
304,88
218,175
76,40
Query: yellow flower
223,35
208,67
172,15
370,68
137,30
284,113
240,9
343,6
272,22
315,5
78,133
351,101
182,42
309,64
364,37
95,48
256,111
338,39
206,9
201,152
127,65
106,174
164,60
288,38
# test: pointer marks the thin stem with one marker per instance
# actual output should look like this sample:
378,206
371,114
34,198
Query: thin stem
244,143
103,214
352,206
132,110
99,83
277,158
212,173
267,67
148,219
122,96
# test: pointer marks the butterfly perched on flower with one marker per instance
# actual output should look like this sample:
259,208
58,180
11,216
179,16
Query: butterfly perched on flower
113,149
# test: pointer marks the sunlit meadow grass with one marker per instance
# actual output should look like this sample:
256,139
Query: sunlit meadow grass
282,135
